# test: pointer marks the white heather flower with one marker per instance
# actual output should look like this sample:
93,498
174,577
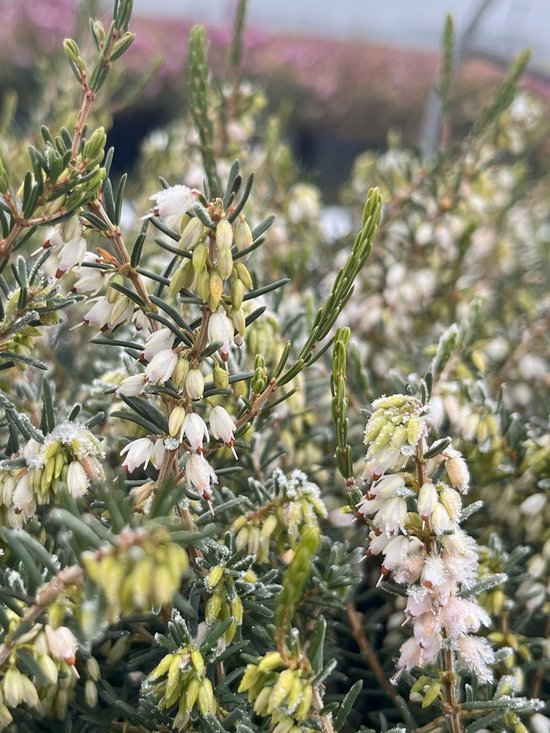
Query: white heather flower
410,569
440,520
195,430
23,502
62,643
200,474
131,386
161,366
158,341
99,314
90,279
172,203
476,654
121,311
427,632
67,244
427,499
395,551
380,462
138,452
77,479
194,384
377,543
387,486
459,553
222,424
221,329
17,688
391,517
457,470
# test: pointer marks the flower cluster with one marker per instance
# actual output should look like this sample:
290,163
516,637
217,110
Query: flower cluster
70,455
53,651
415,522
281,690
142,571
296,504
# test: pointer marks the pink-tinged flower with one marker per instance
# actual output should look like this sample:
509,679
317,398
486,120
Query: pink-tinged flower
410,655
138,452
62,643
457,470
410,569
132,386
427,499
172,203
221,329
77,479
158,341
195,430
392,516
161,366
427,632
222,425
419,601
461,616
200,474
435,572
476,654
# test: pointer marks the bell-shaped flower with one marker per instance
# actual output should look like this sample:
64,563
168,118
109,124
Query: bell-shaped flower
195,430
222,425
220,329
77,479
138,453
158,341
131,386
161,366
200,474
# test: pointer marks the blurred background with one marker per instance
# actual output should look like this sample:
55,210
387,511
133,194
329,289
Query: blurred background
341,75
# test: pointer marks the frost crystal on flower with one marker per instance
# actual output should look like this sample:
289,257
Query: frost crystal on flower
172,203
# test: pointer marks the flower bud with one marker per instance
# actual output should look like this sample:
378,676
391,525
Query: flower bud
192,233
181,370
243,235
237,293
183,278
200,255
203,285
224,235
243,274
194,384
216,289
177,416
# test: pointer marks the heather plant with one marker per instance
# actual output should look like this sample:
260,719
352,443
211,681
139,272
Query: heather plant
175,553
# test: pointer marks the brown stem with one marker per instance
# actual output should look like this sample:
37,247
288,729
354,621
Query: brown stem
356,621
451,706
324,720
257,404
83,114
48,594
